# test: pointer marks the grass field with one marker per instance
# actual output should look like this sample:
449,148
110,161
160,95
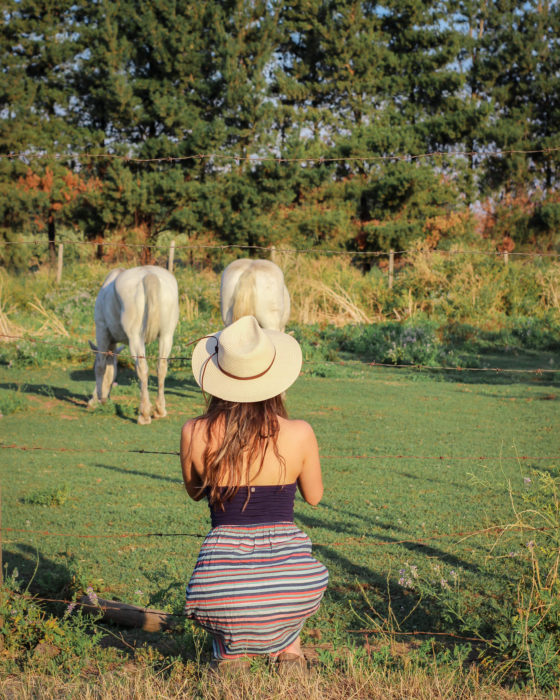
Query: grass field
406,456
423,470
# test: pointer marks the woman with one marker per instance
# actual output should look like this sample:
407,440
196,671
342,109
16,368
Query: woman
255,581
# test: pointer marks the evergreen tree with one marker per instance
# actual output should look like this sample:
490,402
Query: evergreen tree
518,72
38,50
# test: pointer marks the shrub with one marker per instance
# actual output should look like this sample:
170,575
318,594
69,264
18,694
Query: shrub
12,401
55,496
32,638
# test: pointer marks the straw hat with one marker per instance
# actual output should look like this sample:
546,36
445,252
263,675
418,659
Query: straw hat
245,363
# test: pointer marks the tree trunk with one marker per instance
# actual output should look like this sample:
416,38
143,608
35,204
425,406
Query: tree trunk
51,233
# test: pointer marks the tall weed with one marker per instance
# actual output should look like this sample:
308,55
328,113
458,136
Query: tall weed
529,642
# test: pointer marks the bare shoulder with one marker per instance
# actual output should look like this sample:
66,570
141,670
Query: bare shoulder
193,431
297,431
193,425
295,426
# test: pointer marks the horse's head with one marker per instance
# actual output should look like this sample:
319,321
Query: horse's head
101,357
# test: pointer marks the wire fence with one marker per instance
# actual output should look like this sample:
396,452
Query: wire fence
90,602
28,156
370,540
342,363
174,453
272,250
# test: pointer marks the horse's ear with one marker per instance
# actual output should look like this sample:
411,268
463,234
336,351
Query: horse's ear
92,346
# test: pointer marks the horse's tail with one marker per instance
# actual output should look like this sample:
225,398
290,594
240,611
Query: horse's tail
152,309
244,295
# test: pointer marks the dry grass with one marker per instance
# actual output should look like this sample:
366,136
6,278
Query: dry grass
323,291
51,323
550,284
185,682
8,329
188,308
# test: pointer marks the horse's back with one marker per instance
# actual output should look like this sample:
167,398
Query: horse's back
139,301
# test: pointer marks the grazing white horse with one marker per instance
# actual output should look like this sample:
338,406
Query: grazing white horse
135,306
256,288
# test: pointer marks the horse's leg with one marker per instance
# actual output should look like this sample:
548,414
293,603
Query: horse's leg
109,375
138,351
104,369
165,342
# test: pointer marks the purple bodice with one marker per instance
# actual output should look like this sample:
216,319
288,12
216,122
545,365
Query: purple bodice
267,504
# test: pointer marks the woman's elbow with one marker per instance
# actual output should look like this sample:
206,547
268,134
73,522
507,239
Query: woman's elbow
314,498
195,492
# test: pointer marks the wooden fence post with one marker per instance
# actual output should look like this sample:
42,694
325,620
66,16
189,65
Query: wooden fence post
273,253
171,256
59,265
391,267
1,572
506,257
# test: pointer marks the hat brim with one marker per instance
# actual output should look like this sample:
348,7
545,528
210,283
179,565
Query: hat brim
282,373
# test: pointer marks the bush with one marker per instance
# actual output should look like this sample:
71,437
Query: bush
55,496
12,401
33,638
387,343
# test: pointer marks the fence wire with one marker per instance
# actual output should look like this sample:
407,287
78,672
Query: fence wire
356,540
341,363
27,156
273,250
174,453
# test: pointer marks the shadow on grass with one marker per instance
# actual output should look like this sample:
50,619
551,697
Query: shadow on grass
377,539
42,576
135,472
127,377
368,594
59,393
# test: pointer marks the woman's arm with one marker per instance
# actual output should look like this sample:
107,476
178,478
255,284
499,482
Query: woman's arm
310,480
192,479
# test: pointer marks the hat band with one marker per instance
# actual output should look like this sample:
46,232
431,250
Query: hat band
233,376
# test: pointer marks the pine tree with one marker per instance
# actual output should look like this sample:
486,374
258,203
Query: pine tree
518,71
38,50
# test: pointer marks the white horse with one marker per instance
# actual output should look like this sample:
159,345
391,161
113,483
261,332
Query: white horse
135,306
256,288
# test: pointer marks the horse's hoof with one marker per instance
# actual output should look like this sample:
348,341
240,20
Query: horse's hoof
143,420
159,414
92,403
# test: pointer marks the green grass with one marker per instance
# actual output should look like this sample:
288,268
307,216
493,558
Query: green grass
406,456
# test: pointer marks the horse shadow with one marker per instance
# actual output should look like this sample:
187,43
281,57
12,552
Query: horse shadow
127,377
49,391
136,472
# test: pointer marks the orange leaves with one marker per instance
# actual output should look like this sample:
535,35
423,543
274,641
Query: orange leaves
506,245
61,189
437,227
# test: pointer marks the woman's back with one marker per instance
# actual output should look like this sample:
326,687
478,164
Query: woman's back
296,458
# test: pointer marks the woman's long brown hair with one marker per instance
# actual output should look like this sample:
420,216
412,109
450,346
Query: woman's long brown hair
248,431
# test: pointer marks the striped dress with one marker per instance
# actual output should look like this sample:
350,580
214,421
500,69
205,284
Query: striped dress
255,582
